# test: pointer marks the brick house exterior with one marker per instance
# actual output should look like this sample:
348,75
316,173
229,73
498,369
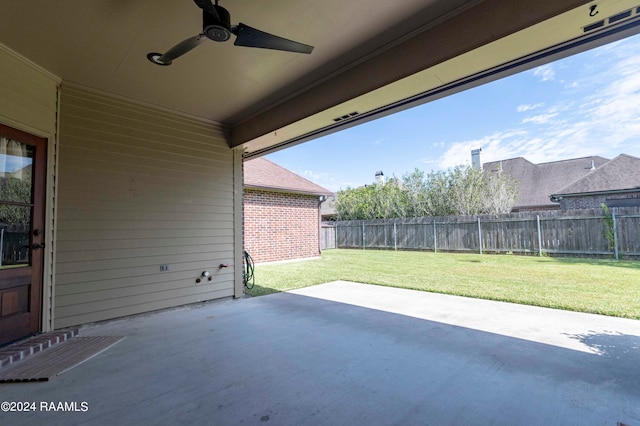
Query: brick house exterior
595,201
615,184
536,182
577,183
281,213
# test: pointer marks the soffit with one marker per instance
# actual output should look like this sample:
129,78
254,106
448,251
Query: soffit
102,44
491,40
371,57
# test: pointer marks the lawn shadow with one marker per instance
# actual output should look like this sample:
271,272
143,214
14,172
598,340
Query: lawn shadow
628,264
258,290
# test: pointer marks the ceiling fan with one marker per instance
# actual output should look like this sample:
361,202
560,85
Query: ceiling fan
216,26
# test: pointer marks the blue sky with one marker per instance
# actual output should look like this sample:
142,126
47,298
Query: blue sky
11,163
587,104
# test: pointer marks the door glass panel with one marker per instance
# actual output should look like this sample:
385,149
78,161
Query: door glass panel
16,161
14,235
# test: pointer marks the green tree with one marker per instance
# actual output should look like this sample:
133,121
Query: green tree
609,228
502,193
462,190
16,190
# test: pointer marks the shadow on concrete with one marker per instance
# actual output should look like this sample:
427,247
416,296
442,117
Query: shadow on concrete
292,359
612,345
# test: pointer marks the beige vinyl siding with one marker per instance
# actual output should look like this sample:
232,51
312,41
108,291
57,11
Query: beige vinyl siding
28,102
139,188
28,95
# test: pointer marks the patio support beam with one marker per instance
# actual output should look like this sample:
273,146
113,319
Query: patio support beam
482,24
238,234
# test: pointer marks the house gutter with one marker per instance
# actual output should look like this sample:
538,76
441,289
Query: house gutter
321,199
557,197
536,207
286,190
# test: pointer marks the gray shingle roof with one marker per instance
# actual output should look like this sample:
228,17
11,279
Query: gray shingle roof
538,181
621,173
260,173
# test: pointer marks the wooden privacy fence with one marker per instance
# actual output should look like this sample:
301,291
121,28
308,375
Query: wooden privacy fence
327,237
14,244
577,232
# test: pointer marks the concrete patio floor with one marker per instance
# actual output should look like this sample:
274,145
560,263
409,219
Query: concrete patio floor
351,354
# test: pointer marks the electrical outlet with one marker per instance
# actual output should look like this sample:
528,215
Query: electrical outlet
165,268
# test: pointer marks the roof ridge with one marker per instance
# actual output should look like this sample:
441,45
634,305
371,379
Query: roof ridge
602,170
575,159
627,155
263,173
293,173
589,173
507,159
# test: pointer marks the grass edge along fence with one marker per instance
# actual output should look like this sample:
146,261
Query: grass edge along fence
589,232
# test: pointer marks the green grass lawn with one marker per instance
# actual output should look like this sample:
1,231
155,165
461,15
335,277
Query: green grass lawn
599,286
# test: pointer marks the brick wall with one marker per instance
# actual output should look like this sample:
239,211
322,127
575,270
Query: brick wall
587,202
595,201
280,226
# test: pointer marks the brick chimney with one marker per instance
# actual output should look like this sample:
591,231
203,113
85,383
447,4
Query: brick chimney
475,158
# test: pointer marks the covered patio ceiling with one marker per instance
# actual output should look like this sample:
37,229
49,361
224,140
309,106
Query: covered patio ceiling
371,58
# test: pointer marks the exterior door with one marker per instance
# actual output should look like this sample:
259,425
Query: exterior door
22,176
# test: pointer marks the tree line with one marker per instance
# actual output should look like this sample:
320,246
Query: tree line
15,190
462,190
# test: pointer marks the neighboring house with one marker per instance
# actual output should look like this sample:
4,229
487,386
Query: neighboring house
281,213
537,182
328,209
615,184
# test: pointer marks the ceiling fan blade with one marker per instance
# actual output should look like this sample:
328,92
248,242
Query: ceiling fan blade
251,37
176,51
207,6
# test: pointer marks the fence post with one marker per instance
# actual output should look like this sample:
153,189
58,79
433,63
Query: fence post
395,237
615,234
335,236
479,235
435,239
425,235
539,236
363,235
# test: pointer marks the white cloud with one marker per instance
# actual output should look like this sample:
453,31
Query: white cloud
539,119
430,162
525,107
605,120
545,72
611,114
326,180
494,147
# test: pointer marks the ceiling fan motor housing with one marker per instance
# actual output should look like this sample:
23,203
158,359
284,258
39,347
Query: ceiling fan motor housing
214,29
